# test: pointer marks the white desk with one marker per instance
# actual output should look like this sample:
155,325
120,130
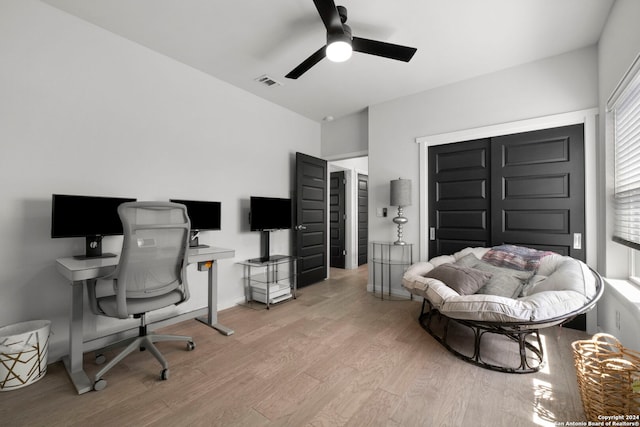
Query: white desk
78,271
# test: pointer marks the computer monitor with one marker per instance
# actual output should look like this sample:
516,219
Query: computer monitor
91,217
204,215
269,213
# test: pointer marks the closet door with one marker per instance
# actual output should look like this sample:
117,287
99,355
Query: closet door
459,200
537,193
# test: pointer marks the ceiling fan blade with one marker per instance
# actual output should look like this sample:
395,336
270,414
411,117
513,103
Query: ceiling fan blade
307,63
387,50
329,14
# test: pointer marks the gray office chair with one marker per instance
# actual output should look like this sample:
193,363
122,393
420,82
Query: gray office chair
150,275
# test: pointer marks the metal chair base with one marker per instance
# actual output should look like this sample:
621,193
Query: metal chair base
530,354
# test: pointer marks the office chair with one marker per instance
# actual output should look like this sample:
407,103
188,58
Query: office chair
151,274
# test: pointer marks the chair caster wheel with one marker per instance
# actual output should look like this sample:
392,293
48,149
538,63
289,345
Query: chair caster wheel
99,385
100,359
164,375
191,346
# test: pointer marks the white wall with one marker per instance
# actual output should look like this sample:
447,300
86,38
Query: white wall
83,111
345,137
360,164
554,85
619,312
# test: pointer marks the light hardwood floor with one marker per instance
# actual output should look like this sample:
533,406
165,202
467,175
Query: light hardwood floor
335,356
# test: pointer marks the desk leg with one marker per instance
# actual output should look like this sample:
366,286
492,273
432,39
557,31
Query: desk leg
73,362
212,302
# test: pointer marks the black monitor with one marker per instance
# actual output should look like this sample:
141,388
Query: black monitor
203,215
91,217
268,214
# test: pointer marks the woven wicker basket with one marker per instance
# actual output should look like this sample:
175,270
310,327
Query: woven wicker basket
608,377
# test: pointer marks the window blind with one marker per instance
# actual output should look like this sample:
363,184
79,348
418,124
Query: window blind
626,121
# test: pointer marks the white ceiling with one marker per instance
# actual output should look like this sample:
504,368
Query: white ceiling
240,40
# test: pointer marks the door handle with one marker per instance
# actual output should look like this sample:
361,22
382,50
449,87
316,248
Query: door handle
300,227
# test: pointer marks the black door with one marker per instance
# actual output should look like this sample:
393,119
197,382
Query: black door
363,218
537,194
337,216
525,189
311,219
459,202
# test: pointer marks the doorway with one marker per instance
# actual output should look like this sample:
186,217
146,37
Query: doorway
337,220
352,175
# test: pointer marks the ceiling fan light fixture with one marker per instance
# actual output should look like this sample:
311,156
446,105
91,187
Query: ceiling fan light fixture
339,51
340,41
339,47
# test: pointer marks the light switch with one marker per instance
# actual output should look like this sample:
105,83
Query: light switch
577,240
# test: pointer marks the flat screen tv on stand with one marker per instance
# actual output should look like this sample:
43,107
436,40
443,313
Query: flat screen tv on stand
203,215
91,217
269,214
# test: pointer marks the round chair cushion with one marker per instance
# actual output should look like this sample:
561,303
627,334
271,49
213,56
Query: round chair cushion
559,286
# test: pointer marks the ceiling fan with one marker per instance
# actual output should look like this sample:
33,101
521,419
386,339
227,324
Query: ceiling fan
340,42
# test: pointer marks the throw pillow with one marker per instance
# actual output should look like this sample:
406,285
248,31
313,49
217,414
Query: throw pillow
517,257
504,282
519,274
463,280
469,260
502,285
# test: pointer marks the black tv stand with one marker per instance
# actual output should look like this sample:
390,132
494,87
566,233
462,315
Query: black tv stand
265,236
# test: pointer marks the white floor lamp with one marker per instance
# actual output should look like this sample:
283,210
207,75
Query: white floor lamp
400,197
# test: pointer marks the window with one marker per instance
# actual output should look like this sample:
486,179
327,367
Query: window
624,106
634,263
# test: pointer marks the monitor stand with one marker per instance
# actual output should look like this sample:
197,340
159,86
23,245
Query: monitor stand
104,255
193,240
265,249
198,246
93,249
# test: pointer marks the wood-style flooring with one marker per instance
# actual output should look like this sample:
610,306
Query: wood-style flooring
335,356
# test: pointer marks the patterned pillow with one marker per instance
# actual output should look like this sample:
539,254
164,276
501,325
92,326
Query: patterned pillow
516,257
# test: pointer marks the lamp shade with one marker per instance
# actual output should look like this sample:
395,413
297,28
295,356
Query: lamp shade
400,192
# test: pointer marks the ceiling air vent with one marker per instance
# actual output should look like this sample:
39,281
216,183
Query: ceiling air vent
267,81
